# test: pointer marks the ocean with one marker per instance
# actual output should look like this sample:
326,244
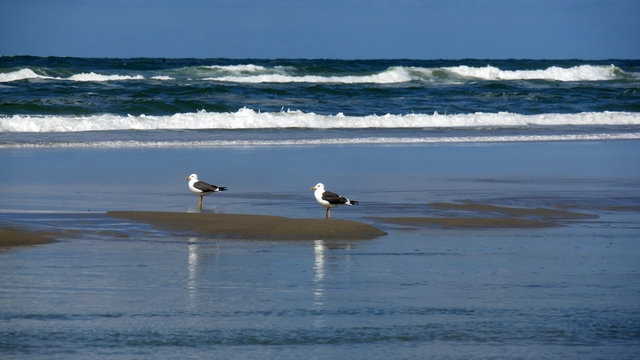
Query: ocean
453,159
72,102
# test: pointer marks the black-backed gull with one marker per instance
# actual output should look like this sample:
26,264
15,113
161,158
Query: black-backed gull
202,188
330,200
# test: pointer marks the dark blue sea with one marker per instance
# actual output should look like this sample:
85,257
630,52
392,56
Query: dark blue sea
58,102
555,142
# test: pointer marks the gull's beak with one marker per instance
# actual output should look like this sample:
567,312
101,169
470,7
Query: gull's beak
187,179
313,188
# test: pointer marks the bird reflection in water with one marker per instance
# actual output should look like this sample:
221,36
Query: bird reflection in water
319,249
192,267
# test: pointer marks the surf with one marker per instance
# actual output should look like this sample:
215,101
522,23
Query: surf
22,74
126,144
553,73
27,74
246,118
257,74
402,74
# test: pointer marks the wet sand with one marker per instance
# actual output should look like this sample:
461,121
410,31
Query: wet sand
264,227
514,211
484,217
14,237
467,222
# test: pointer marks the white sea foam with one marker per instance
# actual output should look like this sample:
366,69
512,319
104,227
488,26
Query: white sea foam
250,73
332,141
27,73
396,74
576,73
238,68
250,119
21,74
101,77
400,74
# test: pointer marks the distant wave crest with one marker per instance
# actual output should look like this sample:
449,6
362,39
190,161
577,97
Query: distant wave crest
389,76
21,74
250,119
100,77
251,73
554,73
400,74
238,68
25,74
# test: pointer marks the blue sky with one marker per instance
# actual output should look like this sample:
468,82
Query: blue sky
341,29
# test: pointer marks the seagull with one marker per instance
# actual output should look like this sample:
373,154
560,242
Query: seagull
330,200
202,188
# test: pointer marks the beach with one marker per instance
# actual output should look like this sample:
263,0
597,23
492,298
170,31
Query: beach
452,261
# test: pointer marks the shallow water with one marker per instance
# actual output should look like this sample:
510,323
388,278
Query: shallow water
276,180
562,292
118,289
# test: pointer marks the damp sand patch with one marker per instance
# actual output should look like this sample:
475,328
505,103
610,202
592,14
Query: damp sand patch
514,211
466,222
253,227
486,216
10,237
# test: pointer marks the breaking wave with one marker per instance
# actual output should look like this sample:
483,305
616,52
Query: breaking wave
554,73
25,74
399,74
250,119
21,74
251,73
237,68
100,77
389,76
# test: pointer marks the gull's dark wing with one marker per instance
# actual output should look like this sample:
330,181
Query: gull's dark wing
333,198
205,187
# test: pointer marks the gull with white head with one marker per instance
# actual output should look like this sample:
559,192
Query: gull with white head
202,188
329,199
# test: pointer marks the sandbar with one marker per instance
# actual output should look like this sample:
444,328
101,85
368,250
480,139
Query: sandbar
253,227
15,237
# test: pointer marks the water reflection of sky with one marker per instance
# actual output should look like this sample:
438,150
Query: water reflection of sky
319,249
192,284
